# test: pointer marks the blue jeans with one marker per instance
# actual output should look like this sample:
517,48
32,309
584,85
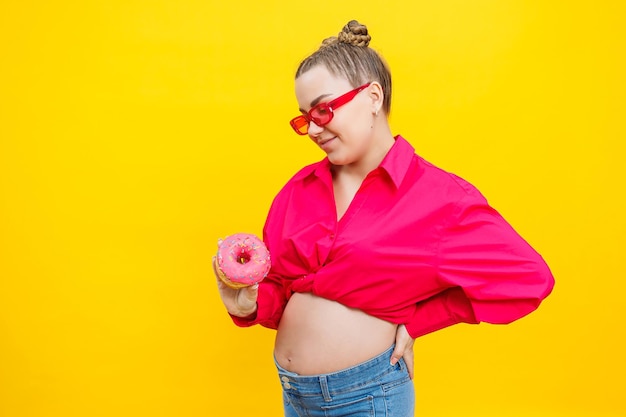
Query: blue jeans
372,388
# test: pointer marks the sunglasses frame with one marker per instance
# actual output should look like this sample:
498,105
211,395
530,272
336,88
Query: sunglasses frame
328,107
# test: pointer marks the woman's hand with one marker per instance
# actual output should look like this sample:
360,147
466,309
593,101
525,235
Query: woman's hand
403,349
238,302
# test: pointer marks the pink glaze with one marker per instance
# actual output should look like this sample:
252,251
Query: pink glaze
243,258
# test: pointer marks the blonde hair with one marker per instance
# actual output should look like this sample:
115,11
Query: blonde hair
348,55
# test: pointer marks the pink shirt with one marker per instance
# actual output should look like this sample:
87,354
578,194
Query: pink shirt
417,246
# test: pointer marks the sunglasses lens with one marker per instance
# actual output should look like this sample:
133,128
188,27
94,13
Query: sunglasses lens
300,125
321,114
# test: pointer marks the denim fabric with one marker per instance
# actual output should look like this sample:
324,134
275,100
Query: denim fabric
372,388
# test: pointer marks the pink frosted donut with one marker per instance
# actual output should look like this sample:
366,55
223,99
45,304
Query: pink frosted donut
242,260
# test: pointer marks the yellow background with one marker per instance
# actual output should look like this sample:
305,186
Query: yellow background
134,134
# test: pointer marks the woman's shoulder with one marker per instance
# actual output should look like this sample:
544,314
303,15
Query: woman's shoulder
448,182
305,172
298,178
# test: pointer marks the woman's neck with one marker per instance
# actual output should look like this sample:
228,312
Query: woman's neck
381,145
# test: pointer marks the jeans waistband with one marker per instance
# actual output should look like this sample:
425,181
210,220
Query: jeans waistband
340,381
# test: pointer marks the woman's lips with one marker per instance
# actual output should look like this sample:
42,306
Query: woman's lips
325,143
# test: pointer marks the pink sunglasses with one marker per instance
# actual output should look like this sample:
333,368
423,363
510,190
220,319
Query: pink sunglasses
322,114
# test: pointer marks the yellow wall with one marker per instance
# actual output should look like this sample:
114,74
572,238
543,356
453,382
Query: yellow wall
135,133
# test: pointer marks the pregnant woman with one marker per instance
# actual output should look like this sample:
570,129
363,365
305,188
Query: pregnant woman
372,247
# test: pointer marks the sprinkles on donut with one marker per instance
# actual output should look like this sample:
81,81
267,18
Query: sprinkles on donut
242,260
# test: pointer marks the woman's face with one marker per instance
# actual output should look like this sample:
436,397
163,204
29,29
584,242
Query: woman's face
348,136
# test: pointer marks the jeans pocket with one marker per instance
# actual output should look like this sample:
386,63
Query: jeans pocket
399,397
363,406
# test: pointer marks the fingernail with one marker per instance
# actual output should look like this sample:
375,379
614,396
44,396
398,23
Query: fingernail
393,361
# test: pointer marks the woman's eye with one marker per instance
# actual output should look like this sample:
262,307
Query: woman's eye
320,111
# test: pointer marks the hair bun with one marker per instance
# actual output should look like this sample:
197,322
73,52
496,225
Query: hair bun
354,33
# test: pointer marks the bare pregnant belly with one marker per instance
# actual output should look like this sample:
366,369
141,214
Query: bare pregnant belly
318,336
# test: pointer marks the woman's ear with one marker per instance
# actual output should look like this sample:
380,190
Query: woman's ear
376,96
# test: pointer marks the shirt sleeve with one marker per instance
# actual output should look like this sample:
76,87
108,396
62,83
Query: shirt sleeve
444,309
489,272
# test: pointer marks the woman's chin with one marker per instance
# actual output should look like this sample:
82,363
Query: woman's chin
337,159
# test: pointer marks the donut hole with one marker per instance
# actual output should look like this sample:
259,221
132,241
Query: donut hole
243,257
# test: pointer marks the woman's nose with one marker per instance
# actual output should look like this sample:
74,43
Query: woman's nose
314,130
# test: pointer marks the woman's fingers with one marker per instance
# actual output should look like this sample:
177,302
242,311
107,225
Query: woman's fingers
403,349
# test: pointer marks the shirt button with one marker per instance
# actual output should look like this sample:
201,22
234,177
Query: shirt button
331,236
287,385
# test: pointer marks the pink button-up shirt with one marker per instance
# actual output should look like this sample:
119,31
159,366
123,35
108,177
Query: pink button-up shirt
417,246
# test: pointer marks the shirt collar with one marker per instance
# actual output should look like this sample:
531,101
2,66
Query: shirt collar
398,160
396,163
